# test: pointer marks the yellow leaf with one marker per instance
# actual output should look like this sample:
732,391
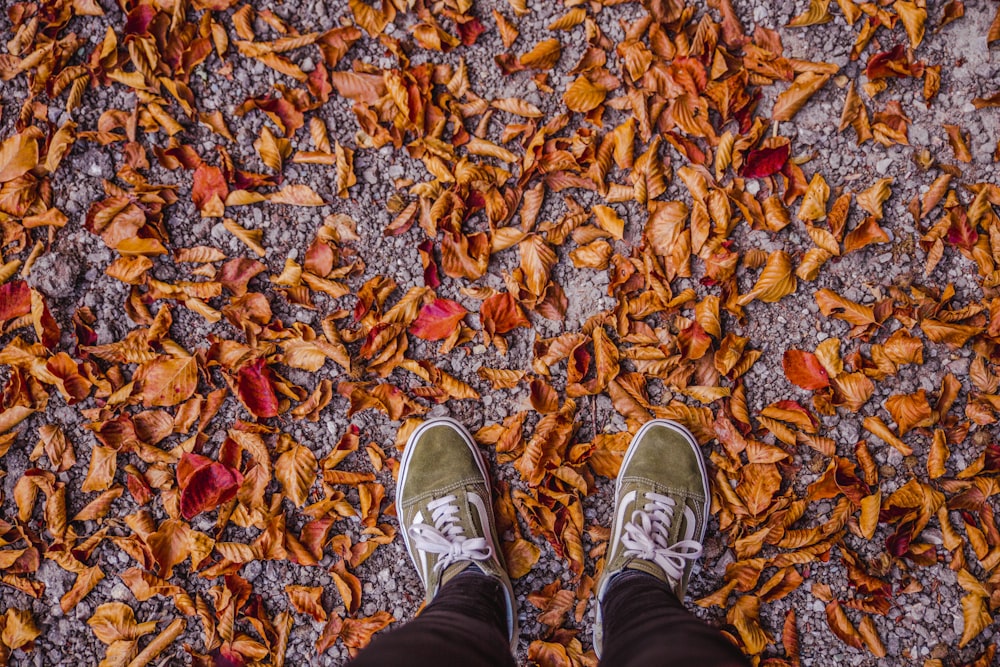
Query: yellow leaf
842,626
877,427
938,455
870,635
775,282
544,56
18,155
872,199
832,304
345,174
744,615
817,13
115,621
537,260
18,628
913,18
296,195
518,107
592,256
296,469
272,149
870,506
582,95
250,238
975,617
478,146
167,382
508,31
570,19
609,221
909,410
500,378
813,205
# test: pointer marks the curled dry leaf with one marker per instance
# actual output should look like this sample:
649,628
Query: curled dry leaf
792,100
775,282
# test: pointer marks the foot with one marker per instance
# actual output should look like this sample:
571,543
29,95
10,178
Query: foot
446,510
661,508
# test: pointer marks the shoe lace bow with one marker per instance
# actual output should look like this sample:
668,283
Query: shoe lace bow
446,537
647,536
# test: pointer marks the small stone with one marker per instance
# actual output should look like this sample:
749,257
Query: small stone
882,166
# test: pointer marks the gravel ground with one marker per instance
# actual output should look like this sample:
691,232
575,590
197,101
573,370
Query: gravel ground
925,617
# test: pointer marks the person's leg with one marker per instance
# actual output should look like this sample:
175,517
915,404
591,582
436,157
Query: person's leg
445,514
645,624
466,624
657,529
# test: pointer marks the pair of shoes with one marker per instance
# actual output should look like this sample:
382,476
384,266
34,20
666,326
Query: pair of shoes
446,510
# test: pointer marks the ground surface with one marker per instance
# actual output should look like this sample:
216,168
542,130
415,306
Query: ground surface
916,575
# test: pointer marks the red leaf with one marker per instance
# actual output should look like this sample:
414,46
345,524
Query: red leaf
15,300
803,368
764,162
221,658
139,19
208,182
500,313
960,231
236,273
438,320
50,328
431,278
255,385
889,64
205,484
470,31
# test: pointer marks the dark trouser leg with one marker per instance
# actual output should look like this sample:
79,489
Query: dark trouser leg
465,625
645,625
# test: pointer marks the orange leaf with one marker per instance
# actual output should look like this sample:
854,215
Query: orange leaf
842,626
167,382
909,410
745,617
501,313
792,100
804,369
296,470
583,95
438,320
307,600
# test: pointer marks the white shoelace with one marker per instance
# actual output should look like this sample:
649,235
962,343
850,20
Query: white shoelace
446,536
646,537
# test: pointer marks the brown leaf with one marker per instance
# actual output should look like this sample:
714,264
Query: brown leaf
792,100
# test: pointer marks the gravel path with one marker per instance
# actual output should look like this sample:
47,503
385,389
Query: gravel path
290,568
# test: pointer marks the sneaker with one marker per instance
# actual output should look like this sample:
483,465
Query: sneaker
446,510
660,512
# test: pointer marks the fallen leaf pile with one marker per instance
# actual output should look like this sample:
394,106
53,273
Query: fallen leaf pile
674,103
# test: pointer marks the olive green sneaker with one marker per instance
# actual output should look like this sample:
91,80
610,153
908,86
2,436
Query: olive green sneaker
660,512
446,510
